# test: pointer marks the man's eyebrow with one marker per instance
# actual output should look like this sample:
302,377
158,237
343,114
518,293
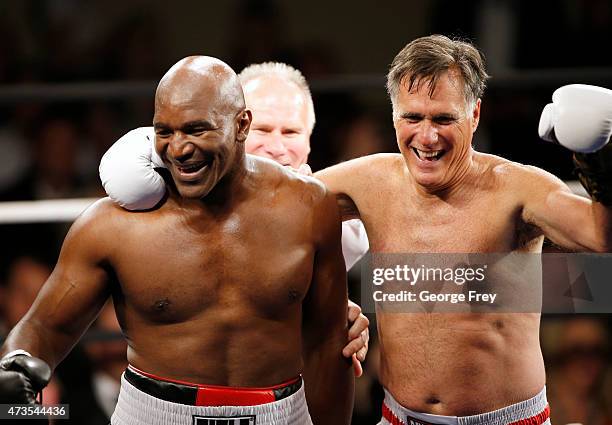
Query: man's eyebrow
411,115
203,124
445,115
160,125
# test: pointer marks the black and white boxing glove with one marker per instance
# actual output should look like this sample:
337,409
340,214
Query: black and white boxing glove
580,118
22,377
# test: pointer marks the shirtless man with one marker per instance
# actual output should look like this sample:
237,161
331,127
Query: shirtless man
226,292
441,196
283,119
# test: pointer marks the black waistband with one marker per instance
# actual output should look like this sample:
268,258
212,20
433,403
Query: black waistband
187,394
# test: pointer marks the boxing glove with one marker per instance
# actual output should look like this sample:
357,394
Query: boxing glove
22,377
580,118
127,171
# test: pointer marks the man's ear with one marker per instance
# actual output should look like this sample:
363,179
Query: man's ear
476,116
243,123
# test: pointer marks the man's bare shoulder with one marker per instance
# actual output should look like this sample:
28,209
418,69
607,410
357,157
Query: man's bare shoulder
98,211
102,217
515,174
283,181
363,167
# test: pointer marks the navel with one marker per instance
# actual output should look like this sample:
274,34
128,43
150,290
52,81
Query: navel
433,400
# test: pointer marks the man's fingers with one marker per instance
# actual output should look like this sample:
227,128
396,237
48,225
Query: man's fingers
353,311
358,327
361,354
353,347
365,337
357,368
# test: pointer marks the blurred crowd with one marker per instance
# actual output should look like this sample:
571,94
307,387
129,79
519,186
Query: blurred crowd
52,150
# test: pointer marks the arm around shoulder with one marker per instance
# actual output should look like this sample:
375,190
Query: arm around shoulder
351,180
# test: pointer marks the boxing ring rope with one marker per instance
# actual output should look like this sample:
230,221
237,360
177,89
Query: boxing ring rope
67,210
47,211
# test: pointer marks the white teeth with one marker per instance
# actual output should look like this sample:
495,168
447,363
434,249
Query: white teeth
428,154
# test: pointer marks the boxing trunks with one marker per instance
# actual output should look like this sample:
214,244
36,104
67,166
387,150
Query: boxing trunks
146,399
534,411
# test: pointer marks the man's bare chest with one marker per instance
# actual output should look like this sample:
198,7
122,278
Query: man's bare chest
477,226
181,271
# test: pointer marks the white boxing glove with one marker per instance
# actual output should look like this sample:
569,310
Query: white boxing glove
580,118
127,171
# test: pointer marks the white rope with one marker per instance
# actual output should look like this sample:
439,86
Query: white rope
56,210
66,210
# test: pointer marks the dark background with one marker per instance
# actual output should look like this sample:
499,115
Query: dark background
76,75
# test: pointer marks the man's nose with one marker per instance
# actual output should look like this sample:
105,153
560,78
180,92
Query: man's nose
275,145
180,148
428,133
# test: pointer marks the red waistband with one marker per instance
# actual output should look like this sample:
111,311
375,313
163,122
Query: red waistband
218,395
390,416
538,419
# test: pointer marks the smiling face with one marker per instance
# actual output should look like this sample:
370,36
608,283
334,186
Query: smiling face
198,126
280,128
434,130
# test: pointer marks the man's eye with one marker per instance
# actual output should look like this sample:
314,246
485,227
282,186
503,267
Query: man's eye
413,119
163,133
195,130
444,120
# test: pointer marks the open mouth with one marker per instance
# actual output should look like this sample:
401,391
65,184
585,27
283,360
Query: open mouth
429,155
194,169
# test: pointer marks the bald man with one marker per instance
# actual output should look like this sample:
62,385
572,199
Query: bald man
231,297
279,98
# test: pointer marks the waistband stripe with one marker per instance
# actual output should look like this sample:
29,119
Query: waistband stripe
183,392
538,419
390,416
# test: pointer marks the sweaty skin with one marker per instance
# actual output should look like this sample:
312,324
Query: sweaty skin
232,281
465,202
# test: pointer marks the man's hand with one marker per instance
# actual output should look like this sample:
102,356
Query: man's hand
22,377
358,337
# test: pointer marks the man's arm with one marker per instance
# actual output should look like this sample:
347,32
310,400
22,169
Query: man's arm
72,296
569,220
579,118
338,180
328,376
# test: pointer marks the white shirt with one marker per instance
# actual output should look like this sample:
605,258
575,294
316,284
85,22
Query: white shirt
354,242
